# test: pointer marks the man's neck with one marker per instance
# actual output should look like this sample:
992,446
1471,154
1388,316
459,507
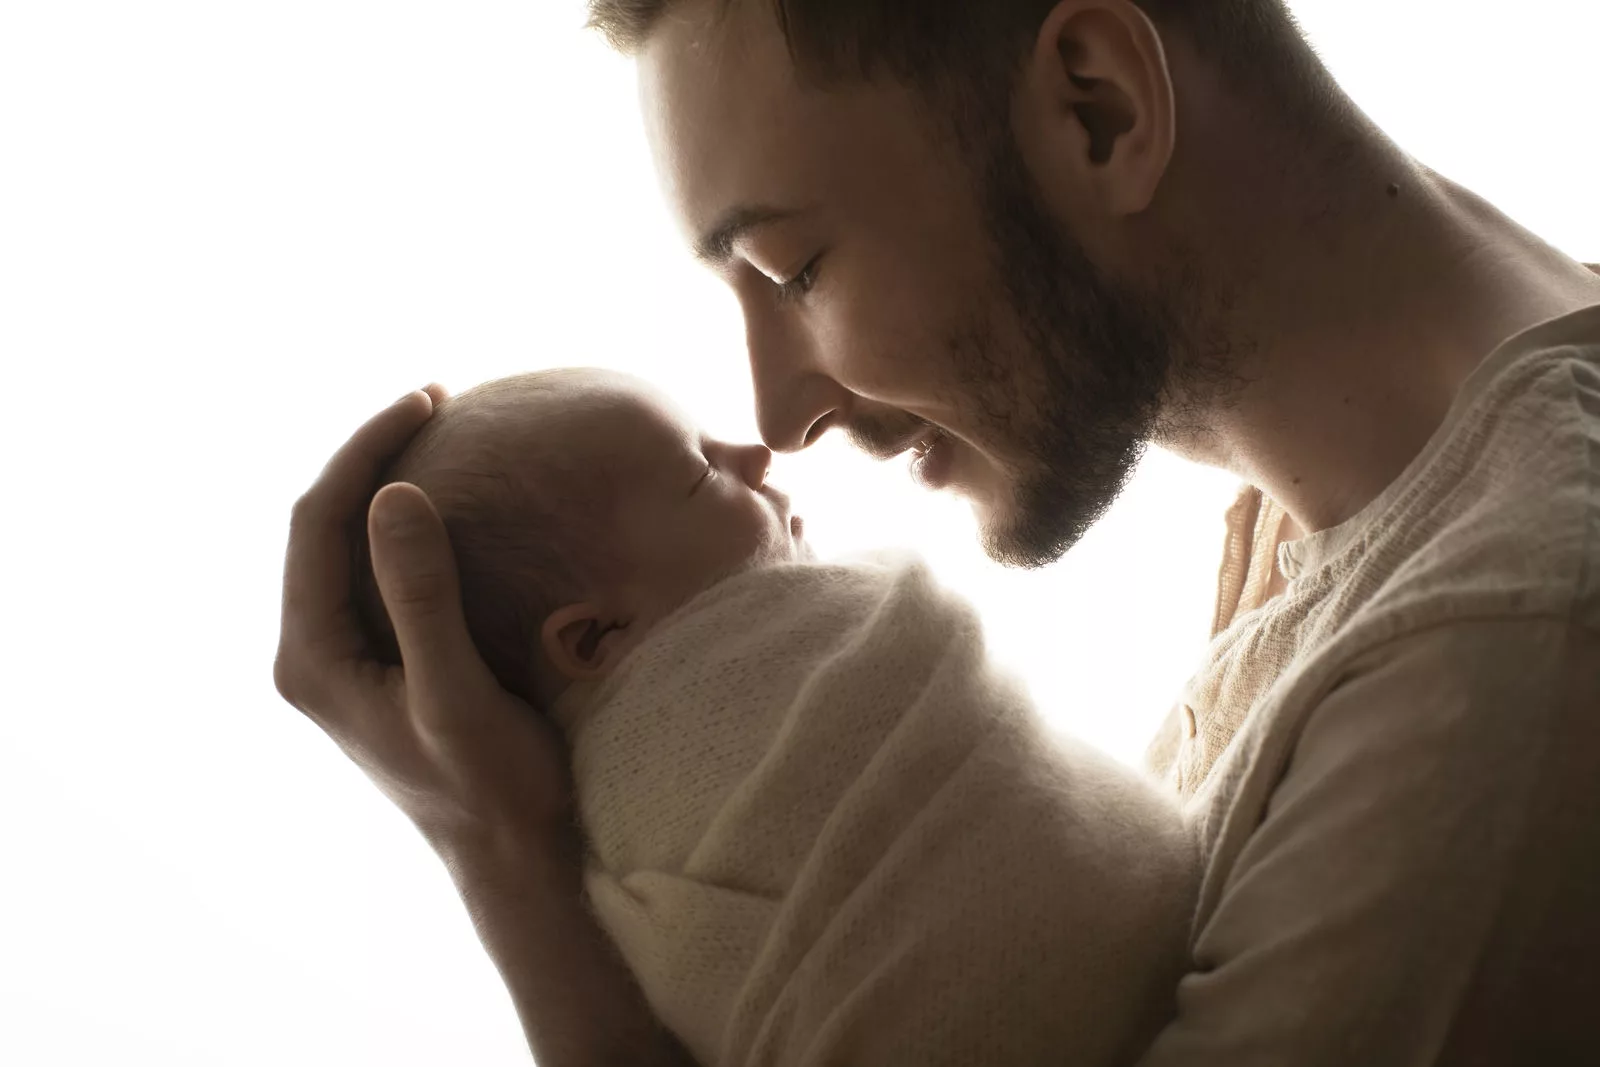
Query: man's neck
1361,319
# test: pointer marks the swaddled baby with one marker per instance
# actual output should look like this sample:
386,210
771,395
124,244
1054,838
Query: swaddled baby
821,828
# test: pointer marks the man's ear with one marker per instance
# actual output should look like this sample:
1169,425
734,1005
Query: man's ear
1095,114
583,641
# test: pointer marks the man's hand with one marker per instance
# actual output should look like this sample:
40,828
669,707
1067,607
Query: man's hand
478,771
468,763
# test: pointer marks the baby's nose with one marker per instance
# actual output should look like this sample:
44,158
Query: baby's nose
753,461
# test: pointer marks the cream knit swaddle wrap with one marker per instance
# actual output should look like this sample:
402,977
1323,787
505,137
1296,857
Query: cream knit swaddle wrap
824,831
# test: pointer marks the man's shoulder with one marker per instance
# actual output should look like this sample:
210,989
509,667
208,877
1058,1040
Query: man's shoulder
1461,619
1506,520
1502,526
1498,518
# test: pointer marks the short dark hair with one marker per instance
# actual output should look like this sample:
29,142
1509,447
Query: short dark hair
526,531
932,42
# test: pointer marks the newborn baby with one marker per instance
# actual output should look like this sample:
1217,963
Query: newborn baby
821,828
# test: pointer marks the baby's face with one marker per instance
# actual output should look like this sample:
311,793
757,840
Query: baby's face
685,510
663,512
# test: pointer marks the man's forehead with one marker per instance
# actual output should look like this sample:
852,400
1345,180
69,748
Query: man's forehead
728,122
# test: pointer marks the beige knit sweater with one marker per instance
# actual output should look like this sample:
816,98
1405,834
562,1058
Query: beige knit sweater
1394,767
823,830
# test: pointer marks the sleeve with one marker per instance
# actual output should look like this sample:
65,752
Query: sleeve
1424,886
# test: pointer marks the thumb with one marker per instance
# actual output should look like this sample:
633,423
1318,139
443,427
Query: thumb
416,573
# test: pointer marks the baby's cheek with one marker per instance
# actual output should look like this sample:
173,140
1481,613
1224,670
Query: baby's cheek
754,534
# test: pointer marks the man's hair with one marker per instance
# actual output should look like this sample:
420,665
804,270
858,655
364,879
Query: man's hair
945,44
526,526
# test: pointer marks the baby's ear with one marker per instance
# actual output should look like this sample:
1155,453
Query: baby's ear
583,641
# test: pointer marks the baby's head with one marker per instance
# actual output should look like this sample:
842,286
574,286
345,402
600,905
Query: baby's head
582,508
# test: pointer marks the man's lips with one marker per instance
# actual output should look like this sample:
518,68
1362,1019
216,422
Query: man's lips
930,446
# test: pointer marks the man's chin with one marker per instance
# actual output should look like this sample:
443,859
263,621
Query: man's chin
1007,549
1009,541
1027,538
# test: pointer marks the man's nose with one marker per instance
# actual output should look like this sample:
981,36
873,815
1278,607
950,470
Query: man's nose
795,402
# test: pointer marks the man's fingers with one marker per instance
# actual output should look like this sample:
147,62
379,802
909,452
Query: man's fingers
319,626
416,572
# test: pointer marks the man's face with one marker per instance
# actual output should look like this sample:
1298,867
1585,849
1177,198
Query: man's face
901,286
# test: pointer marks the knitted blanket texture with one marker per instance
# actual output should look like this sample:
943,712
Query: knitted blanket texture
824,830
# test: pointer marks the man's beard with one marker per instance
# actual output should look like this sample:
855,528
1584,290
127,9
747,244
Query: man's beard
1081,390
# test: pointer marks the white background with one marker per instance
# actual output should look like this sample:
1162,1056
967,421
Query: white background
231,230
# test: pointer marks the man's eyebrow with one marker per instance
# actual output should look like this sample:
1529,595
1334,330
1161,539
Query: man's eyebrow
715,247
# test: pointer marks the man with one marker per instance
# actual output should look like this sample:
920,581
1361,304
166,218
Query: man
1022,239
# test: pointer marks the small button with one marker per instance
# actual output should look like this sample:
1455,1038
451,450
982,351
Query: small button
1191,726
